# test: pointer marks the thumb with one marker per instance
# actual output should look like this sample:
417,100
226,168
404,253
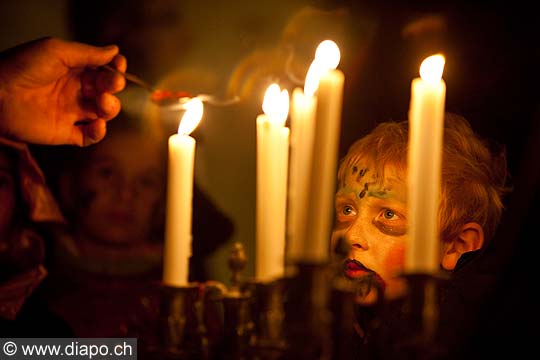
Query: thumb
94,132
81,55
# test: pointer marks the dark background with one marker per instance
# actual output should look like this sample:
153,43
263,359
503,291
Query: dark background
493,54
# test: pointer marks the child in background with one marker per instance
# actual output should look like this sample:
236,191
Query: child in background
26,205
371,213
108,262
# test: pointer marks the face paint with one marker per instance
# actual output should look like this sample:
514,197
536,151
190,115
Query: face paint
371,217
382,194
397,230
361,173
363,192
367,287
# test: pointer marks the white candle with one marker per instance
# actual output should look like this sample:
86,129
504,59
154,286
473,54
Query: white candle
426,120
272,163
177,250
324,165
303,123
302,132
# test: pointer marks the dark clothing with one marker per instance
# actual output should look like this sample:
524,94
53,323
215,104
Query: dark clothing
35,320
394,329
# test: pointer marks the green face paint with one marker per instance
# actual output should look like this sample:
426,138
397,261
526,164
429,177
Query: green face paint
357,182
361,173
363,192
380,194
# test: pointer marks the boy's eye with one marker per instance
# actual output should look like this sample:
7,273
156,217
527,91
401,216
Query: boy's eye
388,214
345,213
391,222
347,210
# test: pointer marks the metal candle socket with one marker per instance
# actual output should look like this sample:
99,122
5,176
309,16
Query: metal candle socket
181,328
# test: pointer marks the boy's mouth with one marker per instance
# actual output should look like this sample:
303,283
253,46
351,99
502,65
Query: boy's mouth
365,279
354,269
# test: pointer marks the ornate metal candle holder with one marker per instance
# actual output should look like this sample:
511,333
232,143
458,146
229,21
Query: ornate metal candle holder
253,315
238,326
182,332
269,314
343,308
309,315
419,310
403,327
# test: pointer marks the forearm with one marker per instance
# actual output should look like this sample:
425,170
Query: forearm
3,96
4,92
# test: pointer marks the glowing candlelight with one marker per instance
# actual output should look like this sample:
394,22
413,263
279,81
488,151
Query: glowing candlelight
327,57
303,124
177,250
426,120
272,162
315,125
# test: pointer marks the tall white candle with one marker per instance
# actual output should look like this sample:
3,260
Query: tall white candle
324,165
302,132
177,250
272,163
303,123
426,120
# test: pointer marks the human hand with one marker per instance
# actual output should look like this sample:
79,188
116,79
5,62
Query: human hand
52,91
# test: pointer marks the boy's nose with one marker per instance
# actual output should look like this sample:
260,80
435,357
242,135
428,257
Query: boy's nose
356,239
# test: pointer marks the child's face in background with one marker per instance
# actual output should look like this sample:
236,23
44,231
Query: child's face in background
8,197
371,220
121,190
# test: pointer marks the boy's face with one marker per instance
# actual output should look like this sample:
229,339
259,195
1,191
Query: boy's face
8,197
121,190
371,221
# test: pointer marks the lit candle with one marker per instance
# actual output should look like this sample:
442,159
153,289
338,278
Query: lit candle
303,123
320,208
426,120
302,129
272,162
177,250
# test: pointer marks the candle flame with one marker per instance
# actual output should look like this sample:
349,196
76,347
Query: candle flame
192,117
276,104
327,57
432,68
328,54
